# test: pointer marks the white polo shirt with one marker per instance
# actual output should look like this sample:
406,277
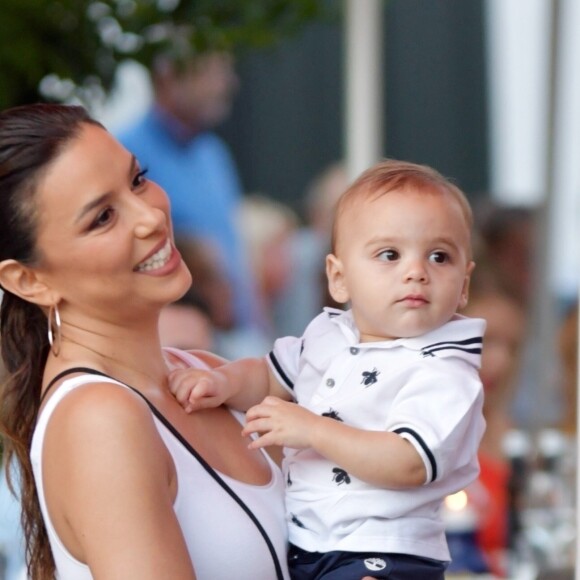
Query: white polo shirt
426,389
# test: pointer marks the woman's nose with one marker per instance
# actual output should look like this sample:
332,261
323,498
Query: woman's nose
149,220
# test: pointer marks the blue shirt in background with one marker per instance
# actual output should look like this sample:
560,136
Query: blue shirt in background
200,177
11,538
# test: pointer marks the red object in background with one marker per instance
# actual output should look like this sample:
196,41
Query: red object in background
492,535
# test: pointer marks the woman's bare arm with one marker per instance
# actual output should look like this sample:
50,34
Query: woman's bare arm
110,485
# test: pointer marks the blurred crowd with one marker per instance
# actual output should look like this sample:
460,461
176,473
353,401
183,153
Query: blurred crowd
258,273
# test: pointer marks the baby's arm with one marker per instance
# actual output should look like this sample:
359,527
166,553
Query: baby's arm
381,458
240,384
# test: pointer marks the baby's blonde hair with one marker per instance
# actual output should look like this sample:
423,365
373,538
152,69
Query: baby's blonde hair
390,175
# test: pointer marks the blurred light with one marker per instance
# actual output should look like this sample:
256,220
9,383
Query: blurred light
98,10
167,5
457,501
109,30
126,8
53,87
129,43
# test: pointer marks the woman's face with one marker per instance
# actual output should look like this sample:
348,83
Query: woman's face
104,233
502,342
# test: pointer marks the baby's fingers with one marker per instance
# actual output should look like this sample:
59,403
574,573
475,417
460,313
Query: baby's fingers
204,395
256,426
259,426
258,411
181,390
266,440
204,403
182,379
182,384
203,387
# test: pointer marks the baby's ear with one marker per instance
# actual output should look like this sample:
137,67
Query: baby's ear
24,282
336,281
465,290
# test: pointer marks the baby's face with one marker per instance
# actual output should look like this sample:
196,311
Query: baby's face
402,260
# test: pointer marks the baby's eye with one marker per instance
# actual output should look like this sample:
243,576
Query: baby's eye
439,257
139,178
388,255
104,217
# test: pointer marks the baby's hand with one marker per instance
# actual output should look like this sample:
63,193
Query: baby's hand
280,423
197,389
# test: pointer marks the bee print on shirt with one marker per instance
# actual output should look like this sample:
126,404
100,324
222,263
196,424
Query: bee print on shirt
332,414
340,476
370,377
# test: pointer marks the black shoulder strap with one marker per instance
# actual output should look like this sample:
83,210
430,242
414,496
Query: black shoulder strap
224,485
69,372
210,470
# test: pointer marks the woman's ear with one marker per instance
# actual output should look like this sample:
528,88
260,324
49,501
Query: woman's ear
336,282
25,283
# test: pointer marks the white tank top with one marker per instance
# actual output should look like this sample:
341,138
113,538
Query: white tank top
220,527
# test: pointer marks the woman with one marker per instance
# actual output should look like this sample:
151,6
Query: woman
122,483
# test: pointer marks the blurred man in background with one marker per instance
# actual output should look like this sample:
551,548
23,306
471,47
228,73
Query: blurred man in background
176,142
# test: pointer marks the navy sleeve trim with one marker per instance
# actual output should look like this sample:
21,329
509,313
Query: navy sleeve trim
280,371
427,352
423,445
473,340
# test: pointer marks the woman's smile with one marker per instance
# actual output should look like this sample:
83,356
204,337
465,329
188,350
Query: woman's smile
156,260
163,262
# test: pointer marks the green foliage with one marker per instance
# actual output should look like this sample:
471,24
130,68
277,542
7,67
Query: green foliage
75,46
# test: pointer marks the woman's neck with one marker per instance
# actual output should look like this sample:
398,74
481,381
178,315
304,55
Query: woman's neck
133,357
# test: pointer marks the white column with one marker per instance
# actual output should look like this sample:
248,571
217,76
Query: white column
518,48
364,84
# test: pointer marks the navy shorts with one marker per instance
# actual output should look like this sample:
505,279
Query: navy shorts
356,565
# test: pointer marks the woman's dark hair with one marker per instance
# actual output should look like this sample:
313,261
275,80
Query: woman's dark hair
31,138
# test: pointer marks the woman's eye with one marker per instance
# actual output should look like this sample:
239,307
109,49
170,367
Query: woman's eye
139,178
388,255
104,217
439,257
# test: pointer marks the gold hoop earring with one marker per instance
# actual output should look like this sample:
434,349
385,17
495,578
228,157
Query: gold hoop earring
54,335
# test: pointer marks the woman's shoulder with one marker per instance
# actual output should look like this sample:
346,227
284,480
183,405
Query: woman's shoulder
95,411
100,411
100,429
99,394
82,393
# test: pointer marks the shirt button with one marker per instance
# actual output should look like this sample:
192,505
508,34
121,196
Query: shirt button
330,382
354,350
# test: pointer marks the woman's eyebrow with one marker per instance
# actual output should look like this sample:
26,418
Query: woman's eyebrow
102,198
91,205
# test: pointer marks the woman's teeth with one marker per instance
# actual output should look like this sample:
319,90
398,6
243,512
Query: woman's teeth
157,260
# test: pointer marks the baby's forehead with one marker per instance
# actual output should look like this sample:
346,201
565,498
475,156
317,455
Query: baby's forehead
362,201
